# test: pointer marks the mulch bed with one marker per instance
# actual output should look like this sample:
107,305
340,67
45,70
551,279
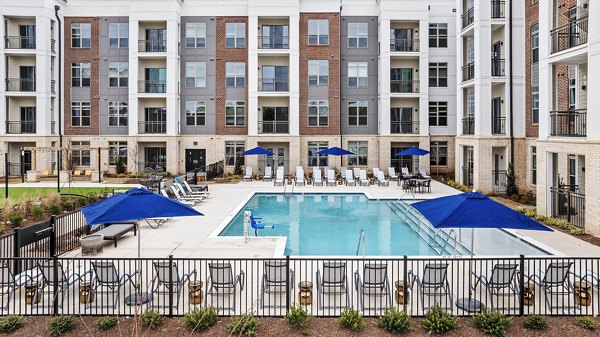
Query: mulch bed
320,327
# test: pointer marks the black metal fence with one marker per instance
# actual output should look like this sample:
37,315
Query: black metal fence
568,205
499,179
468,125
215,170
468,71
572,123
573,34
468,17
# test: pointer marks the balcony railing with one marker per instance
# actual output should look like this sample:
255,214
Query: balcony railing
468,71
499,179
498,8
20,127
468,17
273,42
20,84
571,35
570,123
407,128
53,127
273,127
404,45
52,45
152,127
152,46
498,125
569,204
273,84
19,42
53,86
468,126
152,87
498,67
467,176
404,86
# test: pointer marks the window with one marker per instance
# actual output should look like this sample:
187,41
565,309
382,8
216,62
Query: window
234,112
81,34
195,74
357,113
318,32
318,113
533,165
79,156
80,113
195,35
233,150
535,104
318,72
118,35
438,113
117,114
401,120
439,153
438,35
235,73
361,150
195,113
80,74
117,150
118,74
438,74
315,159
357,34
235,35
357,74
572,88
535,43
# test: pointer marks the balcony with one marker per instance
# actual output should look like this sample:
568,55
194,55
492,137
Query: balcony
53,86
20,127
273,84
468,71
571,35
498,9
273,127
155,127
404,86
53,45
468,17
468,126
19,42
152,46
20,84
404,127
404,45
152,87
498,67
570,123
273,42
498,125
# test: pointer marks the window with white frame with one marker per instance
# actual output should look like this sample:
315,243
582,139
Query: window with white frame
195,74
80,154
439,153
318,113
118,35
118,74
235,35
535,104
318,31
318,72
358,33
81,35
80,74
357,113
195,35
438,113
117,150
235,74
438,35
118,114
233,150
533,165
235,112
535,43
80,113
315,159
438,74
358,74
360,156
195,113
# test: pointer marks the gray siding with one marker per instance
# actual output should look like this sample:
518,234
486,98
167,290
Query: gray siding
369,94
207,95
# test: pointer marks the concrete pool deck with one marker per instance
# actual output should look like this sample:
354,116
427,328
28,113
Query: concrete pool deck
191,237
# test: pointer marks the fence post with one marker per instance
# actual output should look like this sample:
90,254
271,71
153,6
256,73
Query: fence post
171,285
405,280
287,284
521,284
56,289
568,206
16,251
52,235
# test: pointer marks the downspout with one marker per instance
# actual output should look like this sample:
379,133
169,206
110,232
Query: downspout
340,84
510,83
60,93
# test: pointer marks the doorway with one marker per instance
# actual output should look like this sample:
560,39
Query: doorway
278,159
496,59
195,159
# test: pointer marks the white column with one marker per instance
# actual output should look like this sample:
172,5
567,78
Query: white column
294,75
384,78
43,75
173,76
593,73
133,78
252,75
423,78
2,94
546,80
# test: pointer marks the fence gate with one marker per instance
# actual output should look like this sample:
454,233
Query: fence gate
568,205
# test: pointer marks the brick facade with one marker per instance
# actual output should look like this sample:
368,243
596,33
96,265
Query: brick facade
330,52
531,18
84,55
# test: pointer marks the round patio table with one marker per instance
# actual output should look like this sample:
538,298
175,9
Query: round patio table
138,298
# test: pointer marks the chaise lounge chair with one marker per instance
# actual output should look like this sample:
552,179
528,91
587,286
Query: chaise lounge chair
392,173
381,179
248,174
500,281
330,178
161,285
317,179
268,174
9,284
433,283
299,178
279,178
373,283
363,178
349,178
222,283
424,174
332,281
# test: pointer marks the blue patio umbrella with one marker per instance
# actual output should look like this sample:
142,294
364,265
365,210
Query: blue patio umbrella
257,151
334,151
412,151
473,210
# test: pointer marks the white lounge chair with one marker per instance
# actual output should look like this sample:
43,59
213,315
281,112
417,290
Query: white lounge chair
362,177
299,179
330,178
279,178
268,173
424,174
381,179
392,173
375,170
184,194
187,202
317,179
405,173
343,172
356,173
248,174
349,178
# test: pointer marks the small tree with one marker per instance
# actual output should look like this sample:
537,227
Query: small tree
237,170
120,169
511,186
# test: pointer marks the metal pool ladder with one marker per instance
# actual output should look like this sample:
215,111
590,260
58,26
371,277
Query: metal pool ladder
361,242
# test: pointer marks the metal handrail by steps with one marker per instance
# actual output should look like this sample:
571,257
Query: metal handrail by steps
361,239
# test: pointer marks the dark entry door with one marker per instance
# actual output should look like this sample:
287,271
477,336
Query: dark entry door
195,159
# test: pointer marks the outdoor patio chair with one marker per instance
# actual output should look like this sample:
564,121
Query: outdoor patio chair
107,280
268,173
374,282
222,282
187,191
349,179
426,185
317,179
161,287
500,281
343,171
333,281
375,170
275,280
65,280
279,178
363,180
330,178
193,201
392,173
9,284
423,174
381,179
433,283
356,173
555,281
166,194
248,173
299,178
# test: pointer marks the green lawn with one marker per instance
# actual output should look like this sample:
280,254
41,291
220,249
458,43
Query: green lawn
17,194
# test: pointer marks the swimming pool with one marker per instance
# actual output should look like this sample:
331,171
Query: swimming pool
330,224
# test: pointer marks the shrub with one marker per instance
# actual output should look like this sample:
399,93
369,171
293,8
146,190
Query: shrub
394,321
438,321
492,322
10,323
81,202
107,323
54,208
151,319
587,323
68,205
120,168
201,319
237,169
61,324
245,324
522,209
53,198
535,322
2,229
577,231
351,320
37,212
511,185
541,217
15,218
92,197
299,318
